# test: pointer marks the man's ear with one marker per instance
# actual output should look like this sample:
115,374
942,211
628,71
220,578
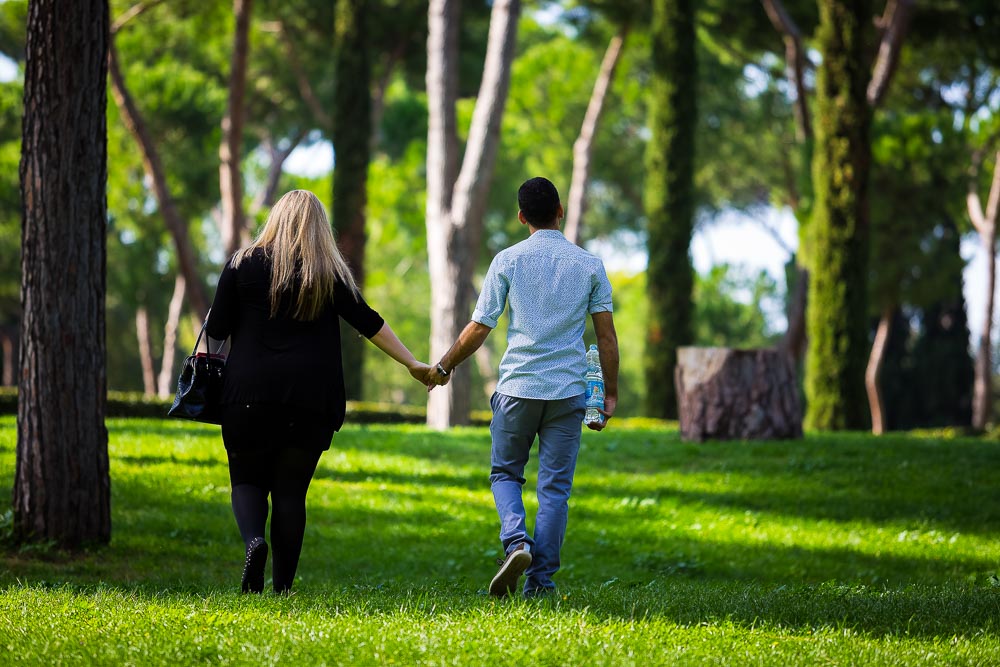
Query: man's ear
559,214
520,216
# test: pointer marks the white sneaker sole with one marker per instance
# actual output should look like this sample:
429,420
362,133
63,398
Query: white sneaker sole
505,581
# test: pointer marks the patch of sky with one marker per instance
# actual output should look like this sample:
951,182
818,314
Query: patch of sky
8,69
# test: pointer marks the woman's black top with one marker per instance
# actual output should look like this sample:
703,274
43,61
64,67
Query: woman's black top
282,360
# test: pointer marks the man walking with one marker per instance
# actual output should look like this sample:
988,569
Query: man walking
549,286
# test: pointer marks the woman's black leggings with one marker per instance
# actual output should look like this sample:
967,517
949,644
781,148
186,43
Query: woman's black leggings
273,453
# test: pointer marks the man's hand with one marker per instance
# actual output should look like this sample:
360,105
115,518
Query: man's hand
420,372
610,403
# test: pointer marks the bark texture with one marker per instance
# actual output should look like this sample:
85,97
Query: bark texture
61,486
726,394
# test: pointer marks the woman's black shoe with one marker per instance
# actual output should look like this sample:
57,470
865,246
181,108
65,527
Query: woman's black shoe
253,566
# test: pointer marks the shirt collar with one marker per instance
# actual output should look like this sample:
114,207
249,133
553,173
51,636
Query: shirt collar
548,234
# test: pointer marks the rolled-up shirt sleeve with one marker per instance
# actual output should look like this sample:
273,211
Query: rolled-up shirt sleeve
493,296
600,292
356,312
225,308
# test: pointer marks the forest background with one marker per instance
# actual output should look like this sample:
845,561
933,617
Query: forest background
933,140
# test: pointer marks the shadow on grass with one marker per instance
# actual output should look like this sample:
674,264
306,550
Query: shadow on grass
948,484
473,482
915,612
160,459
175,532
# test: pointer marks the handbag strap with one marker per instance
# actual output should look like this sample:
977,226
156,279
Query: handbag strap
197,342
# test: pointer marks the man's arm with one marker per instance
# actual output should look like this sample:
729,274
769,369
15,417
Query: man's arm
471,339
607,347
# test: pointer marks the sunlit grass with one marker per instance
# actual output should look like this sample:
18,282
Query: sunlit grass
838,549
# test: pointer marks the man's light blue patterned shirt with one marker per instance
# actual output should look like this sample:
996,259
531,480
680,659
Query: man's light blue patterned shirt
549,286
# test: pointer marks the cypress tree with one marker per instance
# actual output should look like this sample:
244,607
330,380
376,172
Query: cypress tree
351,139
669,198
838,295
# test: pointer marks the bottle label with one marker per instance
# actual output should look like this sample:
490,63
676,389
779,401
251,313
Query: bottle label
595,394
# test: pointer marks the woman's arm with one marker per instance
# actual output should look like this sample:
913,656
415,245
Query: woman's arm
387,341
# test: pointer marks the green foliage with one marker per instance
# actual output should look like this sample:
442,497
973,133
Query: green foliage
10,202
13,33
829,551
669,198
397,284
731,310
838,299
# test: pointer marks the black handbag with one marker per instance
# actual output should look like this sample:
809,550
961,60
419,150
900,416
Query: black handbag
199,387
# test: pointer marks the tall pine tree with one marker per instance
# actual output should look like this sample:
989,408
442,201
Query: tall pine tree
62,491
669,198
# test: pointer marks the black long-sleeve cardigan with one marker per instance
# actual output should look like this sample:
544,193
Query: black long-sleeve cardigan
281,360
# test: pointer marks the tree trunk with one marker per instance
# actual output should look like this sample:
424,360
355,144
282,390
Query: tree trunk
187,259
61,485
838,317
265,196
234,228
165,382
794,64
670,198
145,351
352,117
794,340
982,397
985,223
894,25
8,342
455,205
584,145
726,394
873,373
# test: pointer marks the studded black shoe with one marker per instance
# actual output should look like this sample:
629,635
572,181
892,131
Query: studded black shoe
253,566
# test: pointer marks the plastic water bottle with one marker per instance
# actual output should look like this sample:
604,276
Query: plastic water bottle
595,388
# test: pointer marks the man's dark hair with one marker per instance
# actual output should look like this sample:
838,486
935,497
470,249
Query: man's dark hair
539,201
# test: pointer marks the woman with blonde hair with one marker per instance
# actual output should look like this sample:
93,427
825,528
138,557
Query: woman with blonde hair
280,302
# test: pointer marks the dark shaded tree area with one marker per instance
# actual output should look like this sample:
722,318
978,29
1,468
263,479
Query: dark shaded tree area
669,198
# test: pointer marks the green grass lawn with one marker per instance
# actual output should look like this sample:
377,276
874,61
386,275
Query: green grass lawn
838,549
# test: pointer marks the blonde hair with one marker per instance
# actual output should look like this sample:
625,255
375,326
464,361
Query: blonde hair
298,239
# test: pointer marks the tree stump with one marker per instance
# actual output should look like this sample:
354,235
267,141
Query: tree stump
727,394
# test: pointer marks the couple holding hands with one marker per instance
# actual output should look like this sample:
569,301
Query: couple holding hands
279,301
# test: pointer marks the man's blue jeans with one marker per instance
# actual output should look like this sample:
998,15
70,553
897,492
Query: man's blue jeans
516,422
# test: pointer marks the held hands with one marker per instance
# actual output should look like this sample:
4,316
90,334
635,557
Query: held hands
435,379
610,403
427,375
420,372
